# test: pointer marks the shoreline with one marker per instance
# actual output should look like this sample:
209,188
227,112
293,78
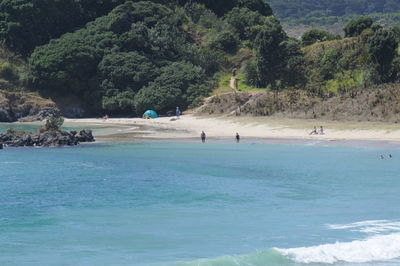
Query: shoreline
222,129
190,127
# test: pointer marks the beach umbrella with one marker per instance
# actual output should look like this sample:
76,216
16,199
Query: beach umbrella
150,114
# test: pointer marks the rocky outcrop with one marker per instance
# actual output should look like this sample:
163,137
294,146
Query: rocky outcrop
46,139
25,107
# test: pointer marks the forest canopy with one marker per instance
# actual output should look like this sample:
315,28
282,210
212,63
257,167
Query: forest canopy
123,57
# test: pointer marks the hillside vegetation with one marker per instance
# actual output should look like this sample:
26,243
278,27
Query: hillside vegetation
328,12
123,57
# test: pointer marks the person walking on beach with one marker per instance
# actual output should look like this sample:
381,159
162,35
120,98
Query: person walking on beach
203,136
177,112
237,137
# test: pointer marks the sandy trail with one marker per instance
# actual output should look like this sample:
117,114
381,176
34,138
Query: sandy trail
189,126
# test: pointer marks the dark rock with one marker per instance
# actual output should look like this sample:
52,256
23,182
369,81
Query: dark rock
46,139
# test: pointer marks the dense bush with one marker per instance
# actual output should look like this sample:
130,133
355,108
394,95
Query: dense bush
317,35
324,8
170,88
8,71
270,53
357,26
25,24
112,59
226,41
245,22
54,123
382,48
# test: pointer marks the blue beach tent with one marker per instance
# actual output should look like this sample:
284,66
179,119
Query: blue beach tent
150,114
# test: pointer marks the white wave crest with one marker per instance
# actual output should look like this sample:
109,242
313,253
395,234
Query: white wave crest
374,226
377,248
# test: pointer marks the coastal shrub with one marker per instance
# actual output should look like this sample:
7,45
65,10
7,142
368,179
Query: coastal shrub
170,88
250,74
16,132
245,22
225,41
270,54
256,5
382,46
8,71
109,61
356,26
317,35
54,123
26,24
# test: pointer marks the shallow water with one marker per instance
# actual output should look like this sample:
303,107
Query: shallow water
199,204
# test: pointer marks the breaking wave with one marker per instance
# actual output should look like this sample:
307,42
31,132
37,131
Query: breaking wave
376,248
383,245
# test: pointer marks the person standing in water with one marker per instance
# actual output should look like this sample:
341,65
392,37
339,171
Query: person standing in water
237,137
203,136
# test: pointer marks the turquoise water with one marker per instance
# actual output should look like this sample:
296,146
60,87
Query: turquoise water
199,204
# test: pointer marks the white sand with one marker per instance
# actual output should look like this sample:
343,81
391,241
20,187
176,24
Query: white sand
189,126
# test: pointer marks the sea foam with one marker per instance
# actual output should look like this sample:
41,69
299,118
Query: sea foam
374,226
376,248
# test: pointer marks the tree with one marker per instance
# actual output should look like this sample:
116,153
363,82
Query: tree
317,35
382,48
123,74
270,53
226,41
356,26
245,22
54,123
109,61
256,5
170,88
293,74
25,24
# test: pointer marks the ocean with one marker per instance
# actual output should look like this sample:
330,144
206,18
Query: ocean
218,203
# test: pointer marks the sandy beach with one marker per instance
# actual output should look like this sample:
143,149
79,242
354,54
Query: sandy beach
189,127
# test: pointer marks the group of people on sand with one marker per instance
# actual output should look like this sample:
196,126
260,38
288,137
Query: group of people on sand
317,132
203,137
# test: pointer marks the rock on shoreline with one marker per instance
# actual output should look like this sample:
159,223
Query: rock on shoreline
46,139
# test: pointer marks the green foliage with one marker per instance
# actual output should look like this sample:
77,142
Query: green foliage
357,26
256,5
318,9
382,47
226,41
245,22
173,87
136,55
113,58
251,73
293,72
25,24
54,123
8,71
15,132
317,35
270,54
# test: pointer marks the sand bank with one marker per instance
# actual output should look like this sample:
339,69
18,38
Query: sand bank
189,126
